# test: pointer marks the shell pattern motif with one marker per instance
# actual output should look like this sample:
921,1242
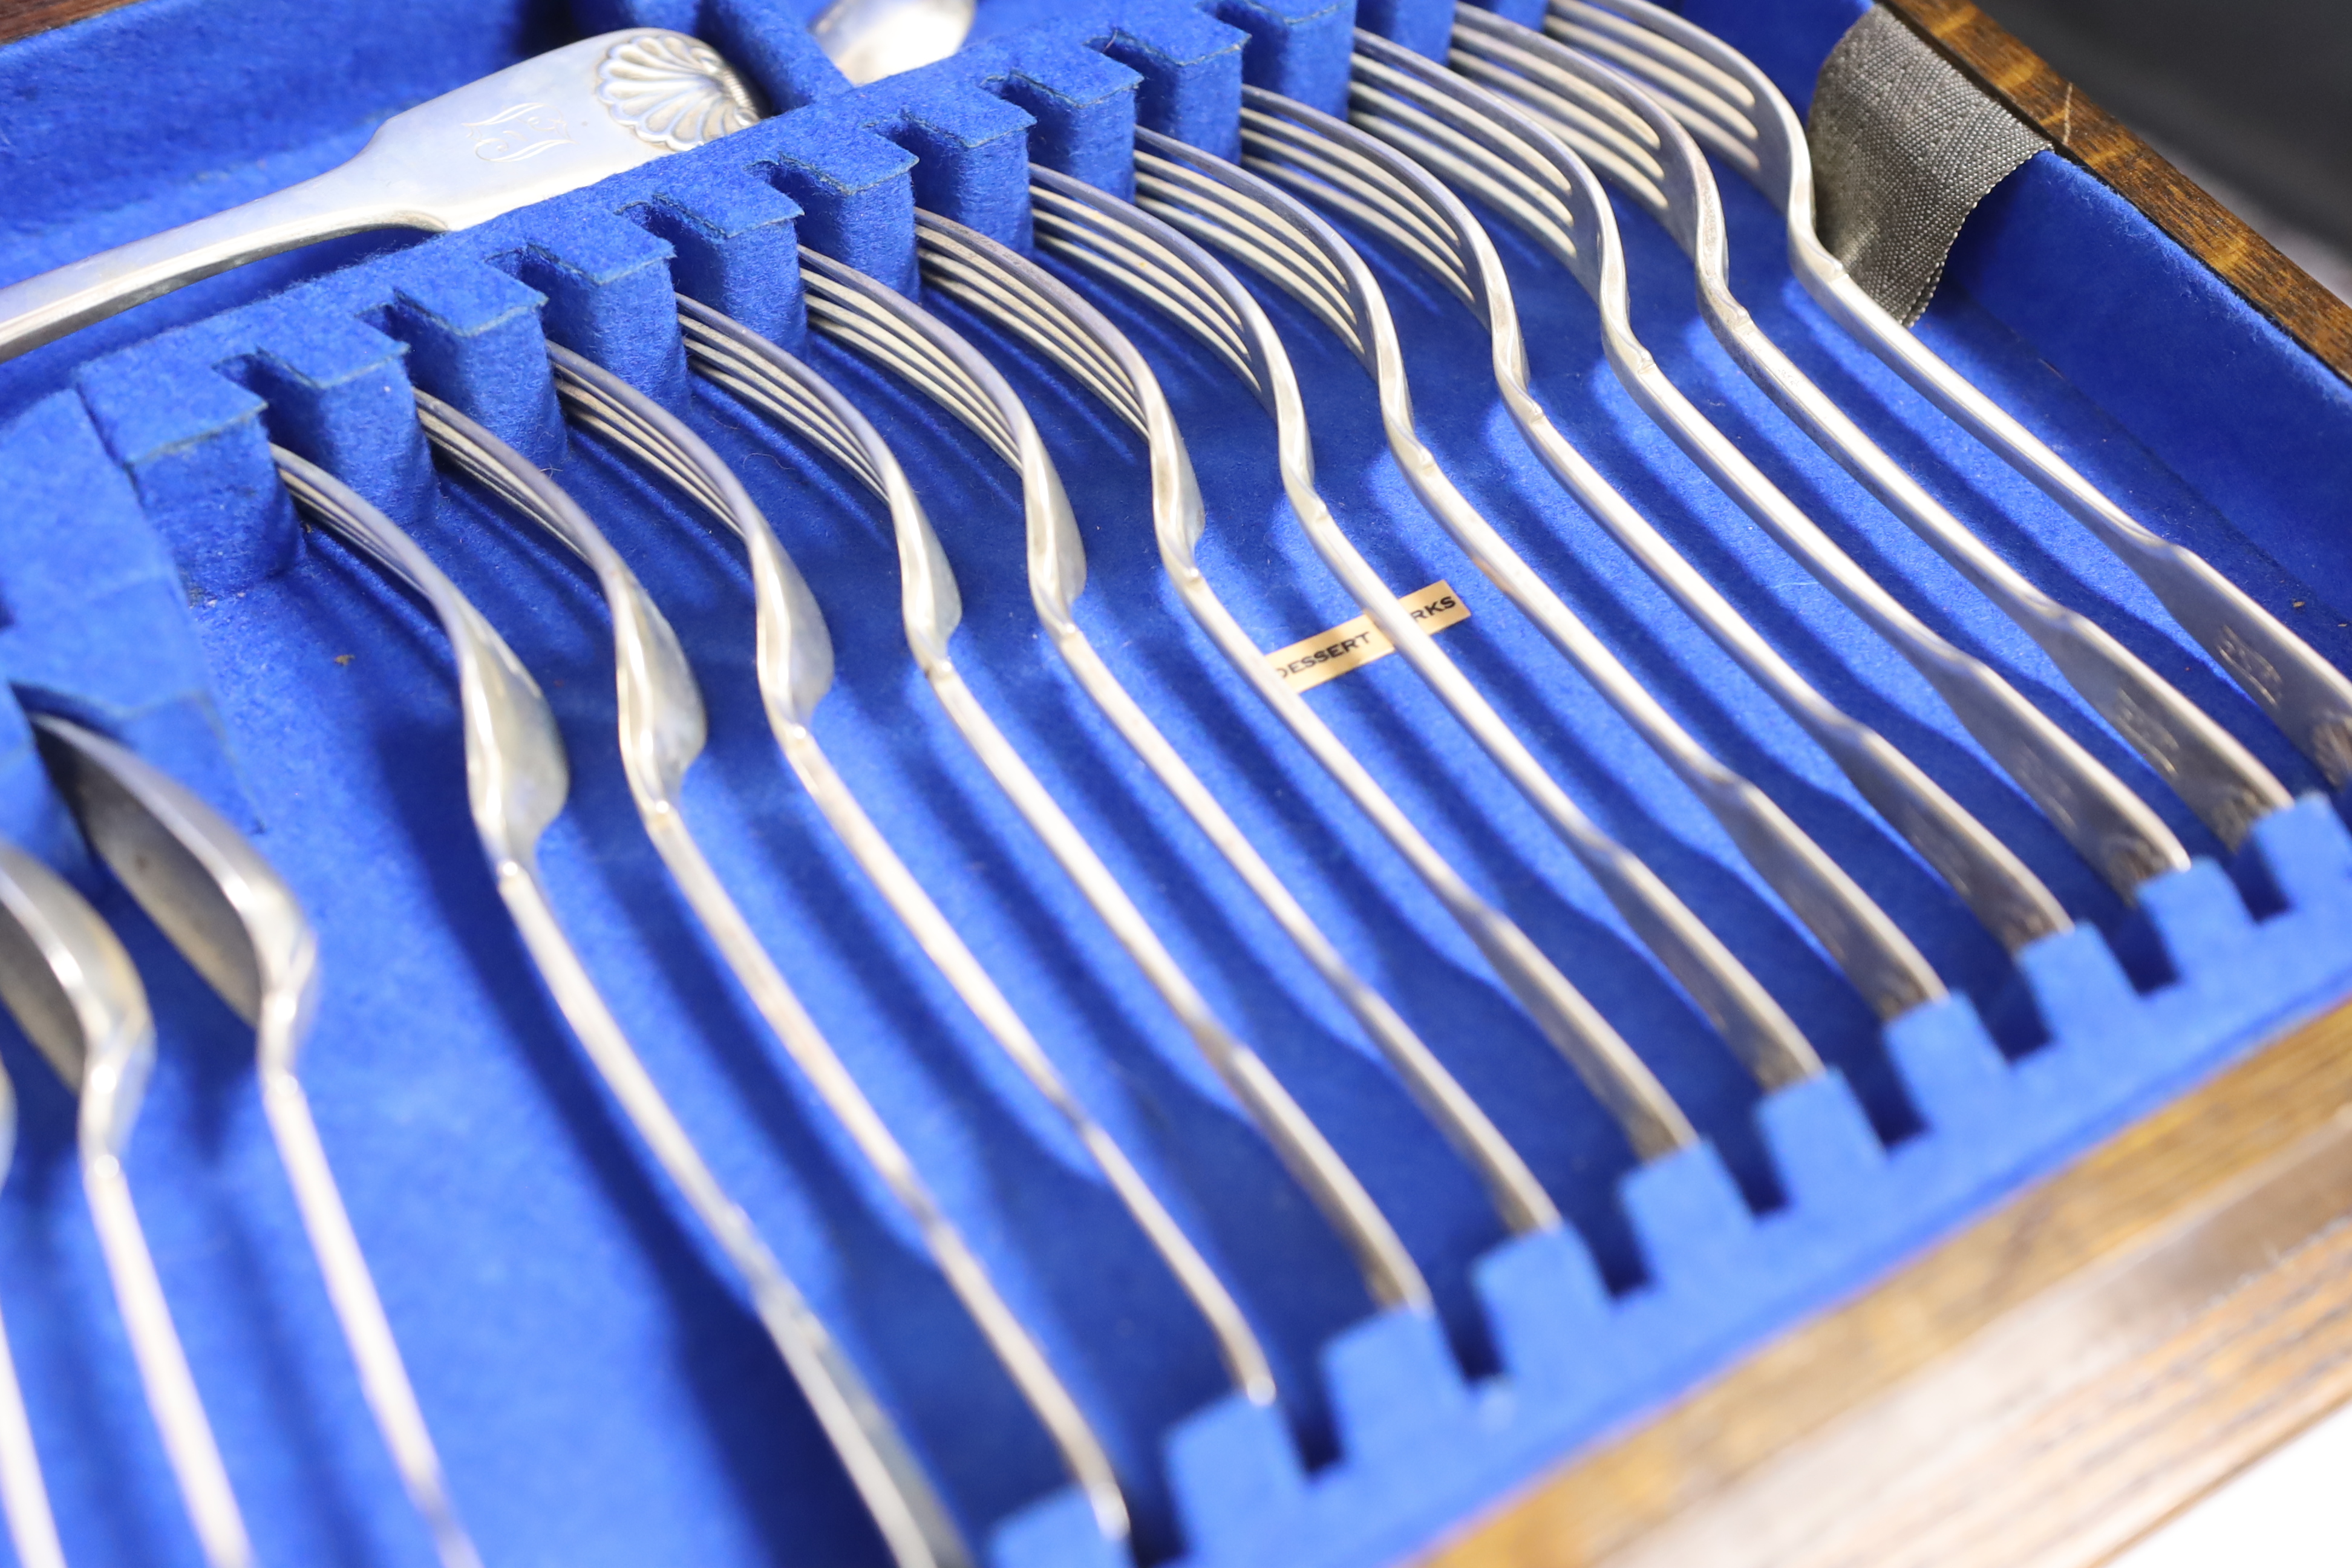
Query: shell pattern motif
673,91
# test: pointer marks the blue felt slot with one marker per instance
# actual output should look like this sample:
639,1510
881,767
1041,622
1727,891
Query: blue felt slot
600,1393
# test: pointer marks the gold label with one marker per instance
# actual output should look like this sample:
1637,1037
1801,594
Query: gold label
1303,665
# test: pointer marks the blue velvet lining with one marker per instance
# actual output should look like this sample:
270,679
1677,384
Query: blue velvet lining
600,1394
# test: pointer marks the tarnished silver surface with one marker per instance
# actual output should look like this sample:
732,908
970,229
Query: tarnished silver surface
1271,232
1163,267
239,926
67,980
32,1527
1342,167
2207,766
880,324
795,665
1480,142
1019,294
1723,100
515,782
550,124
662,731
1556,199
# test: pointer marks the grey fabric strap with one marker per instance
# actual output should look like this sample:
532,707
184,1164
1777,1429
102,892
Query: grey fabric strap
1903,149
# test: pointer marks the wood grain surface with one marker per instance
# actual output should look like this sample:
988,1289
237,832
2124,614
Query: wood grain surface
2036,1392
23,18
2089,134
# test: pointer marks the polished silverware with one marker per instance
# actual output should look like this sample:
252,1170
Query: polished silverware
1722,98
552,124
870,39
73,990
1230,209
1090,226
1481,141
32,1528
515,782
662,729
1476,137
239,925
878,324
1643,149
796,669
1340,166
1012,290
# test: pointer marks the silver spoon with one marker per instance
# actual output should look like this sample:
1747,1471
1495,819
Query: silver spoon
239,925
63,975
870,39
516,781
550,124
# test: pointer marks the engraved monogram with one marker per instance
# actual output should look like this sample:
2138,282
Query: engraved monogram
511,135
673,91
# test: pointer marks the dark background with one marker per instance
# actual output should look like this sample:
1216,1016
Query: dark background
2252,97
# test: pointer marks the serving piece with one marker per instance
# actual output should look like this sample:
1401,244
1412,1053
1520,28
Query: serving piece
550,124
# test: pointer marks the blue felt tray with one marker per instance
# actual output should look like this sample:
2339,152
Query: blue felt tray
600,1392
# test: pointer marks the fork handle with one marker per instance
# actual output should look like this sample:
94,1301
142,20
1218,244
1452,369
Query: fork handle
341,201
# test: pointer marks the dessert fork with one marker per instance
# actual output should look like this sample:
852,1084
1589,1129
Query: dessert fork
239,926
516,781
1725,102
1635,143
75,994
1486,143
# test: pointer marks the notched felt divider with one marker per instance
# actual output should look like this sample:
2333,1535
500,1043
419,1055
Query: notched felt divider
96,622
2095,1035
767,40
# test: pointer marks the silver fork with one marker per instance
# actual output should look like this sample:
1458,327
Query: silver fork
516,781
1340,166
1146,255
1269,230
74,991
795,668
1722,98
662,729
32,1527
1484,142
552,124
239,925
2207,766
1012,290
878,324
